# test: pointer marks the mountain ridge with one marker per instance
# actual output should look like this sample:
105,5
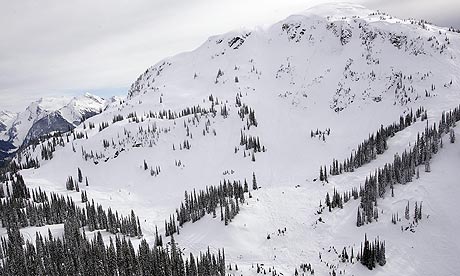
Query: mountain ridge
425,43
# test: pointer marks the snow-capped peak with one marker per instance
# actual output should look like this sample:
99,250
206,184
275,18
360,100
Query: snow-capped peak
49,103
82,107
65,112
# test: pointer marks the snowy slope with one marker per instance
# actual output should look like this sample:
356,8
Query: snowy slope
342,68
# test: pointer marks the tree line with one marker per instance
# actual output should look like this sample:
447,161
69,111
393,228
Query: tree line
75,254
405,167
228,196
402,170
376,144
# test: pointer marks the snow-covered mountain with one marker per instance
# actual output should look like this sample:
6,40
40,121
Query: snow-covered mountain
352,60
6,119
270,107
47,115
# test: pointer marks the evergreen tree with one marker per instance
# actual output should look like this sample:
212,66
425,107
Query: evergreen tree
80,176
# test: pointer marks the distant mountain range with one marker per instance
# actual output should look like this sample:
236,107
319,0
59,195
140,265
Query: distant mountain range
44,116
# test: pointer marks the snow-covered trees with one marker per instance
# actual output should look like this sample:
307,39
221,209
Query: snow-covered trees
372,253
251,142
403,168
70,184
228,196
80,176
117,118
406,211
323,173
84,197
74,254
337,200
418,212
251,115
83,256
376,144
20,210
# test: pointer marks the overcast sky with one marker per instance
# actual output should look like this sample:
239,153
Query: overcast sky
53,48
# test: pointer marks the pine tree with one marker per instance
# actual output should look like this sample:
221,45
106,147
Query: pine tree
70,185
420,212
227,214
359,221
325,174
406,213
80,176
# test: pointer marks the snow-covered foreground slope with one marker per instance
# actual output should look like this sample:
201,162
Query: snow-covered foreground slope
351,73
430,250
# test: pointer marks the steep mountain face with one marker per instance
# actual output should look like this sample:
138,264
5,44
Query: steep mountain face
47,124
269,107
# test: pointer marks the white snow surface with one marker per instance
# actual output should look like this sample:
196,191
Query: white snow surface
345,68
